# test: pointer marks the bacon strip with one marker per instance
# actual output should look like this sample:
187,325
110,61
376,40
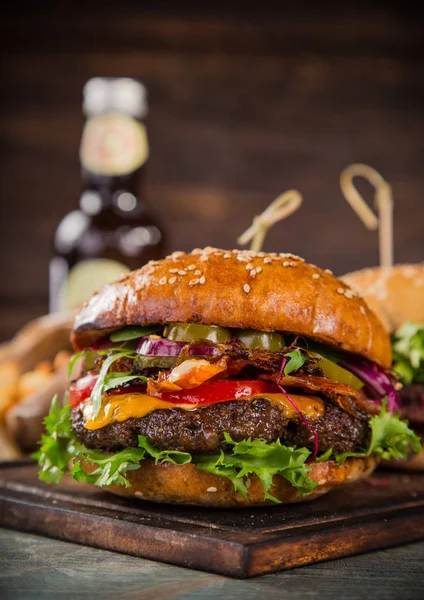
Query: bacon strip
350,400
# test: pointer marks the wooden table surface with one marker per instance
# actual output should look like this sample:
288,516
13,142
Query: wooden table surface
37,567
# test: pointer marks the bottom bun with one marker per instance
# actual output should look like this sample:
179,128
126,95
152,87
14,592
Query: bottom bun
414,463
175,484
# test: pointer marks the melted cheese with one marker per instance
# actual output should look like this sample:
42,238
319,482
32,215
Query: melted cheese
126,406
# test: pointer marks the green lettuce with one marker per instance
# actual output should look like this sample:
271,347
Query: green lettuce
264,459
390,438
60,448
408,353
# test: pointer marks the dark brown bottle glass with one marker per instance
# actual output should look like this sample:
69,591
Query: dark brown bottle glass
114,229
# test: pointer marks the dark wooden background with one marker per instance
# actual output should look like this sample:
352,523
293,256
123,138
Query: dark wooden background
243,105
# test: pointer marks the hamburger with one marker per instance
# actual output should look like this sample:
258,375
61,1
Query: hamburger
396,295
227,379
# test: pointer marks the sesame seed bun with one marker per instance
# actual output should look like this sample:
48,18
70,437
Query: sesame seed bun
237,289
185,484
395,294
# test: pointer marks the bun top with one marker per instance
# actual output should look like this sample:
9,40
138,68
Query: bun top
395,294
237,289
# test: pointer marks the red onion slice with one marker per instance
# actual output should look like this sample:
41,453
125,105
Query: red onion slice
148,346
375,379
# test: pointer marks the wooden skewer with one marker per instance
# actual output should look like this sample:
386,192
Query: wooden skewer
383,202
282,207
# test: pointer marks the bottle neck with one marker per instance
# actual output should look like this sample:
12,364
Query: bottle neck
110,191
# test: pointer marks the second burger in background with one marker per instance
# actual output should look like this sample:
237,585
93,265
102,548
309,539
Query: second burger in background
396,295
226,378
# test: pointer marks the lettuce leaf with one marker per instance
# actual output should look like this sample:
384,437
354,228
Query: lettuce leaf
391,437
57,445
60,447
408,353
264,459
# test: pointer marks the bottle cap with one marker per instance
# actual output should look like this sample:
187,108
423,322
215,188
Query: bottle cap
118,94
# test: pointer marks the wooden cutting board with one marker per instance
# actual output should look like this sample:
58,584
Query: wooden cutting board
386,511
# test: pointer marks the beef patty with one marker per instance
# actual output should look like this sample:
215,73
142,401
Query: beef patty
202,430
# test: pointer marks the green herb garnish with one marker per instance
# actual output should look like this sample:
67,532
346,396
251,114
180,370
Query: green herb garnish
296,360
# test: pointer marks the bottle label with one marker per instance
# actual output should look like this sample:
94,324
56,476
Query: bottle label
83,280
113,144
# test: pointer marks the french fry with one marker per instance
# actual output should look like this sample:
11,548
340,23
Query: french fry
9,378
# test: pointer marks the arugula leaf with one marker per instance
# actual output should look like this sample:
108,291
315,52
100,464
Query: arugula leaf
295,362
408,353
264,459
390,438
173,456
132,333
99,387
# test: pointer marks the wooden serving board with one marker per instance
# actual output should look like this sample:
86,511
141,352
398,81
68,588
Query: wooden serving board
388,510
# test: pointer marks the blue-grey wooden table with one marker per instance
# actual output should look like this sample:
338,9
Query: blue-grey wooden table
37,567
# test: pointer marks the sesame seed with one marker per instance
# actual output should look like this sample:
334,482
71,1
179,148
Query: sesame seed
249,267
286,263
204,258
197,272
246,288
202,279
182,273
349,294
162,281
177,254
328,271
267,260
193,282
340,291
227,255
173,271
242,258
252,273
258,269
316,276
197,251
362,309
172,279
212,489
191,267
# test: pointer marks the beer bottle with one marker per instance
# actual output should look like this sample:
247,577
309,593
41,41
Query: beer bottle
113,229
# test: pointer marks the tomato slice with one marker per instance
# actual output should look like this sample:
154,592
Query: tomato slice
219,391
207,393
81,389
